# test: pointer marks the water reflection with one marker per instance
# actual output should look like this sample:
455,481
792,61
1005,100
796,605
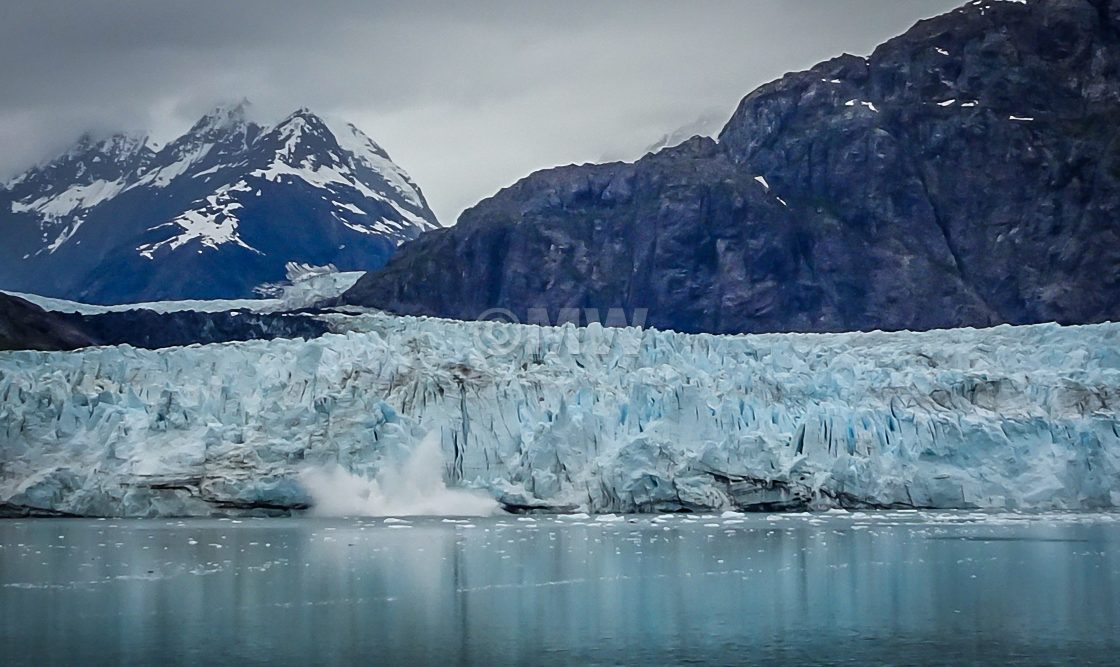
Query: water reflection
888,587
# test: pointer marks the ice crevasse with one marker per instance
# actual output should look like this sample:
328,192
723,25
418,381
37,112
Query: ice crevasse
593,419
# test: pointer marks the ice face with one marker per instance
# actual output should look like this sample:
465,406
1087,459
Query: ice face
598,420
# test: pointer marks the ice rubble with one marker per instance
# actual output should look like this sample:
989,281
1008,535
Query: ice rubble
589,419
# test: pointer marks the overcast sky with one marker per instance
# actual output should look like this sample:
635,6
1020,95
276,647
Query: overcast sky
468,97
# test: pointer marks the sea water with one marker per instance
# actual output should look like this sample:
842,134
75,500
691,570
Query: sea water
852,587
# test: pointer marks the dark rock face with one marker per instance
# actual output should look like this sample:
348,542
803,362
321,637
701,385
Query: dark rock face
967,173
26,326
151,330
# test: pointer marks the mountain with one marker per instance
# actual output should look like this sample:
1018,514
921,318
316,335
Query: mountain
706,125
212,214
966,173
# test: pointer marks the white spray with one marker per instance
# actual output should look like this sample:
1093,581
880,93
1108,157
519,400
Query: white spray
414,487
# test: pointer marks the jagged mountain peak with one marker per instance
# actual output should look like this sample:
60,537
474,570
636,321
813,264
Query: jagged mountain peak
214,213
226,124
356,141
111,143
302,128
304,122
963,174
705,125
224,117
222,123
92,149
123,145
59,190
324,151
367,154
303,112
214,140
347,135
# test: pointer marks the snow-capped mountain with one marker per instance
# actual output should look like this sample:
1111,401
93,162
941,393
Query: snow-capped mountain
61,194
212,214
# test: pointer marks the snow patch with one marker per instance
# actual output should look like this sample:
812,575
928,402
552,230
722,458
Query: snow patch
162,177
74,198
213,224
869,105
366,152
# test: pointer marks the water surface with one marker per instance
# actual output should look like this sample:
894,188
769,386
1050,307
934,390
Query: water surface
888,587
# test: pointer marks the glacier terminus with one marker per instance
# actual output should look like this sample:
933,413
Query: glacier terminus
570,419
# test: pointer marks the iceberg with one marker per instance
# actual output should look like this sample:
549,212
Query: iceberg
591,420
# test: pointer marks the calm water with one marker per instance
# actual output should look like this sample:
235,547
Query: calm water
889,587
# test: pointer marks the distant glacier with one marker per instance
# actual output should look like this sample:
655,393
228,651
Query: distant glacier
568,419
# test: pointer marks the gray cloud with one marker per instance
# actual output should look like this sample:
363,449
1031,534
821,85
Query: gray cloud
468,97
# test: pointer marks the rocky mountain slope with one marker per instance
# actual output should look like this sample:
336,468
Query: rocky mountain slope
966,173
212,214
26,326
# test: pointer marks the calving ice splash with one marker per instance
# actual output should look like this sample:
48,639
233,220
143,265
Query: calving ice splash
413,486
400,412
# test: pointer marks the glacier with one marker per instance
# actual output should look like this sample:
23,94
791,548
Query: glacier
306,285
572,419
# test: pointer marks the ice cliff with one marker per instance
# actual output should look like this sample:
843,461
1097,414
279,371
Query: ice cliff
597,419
